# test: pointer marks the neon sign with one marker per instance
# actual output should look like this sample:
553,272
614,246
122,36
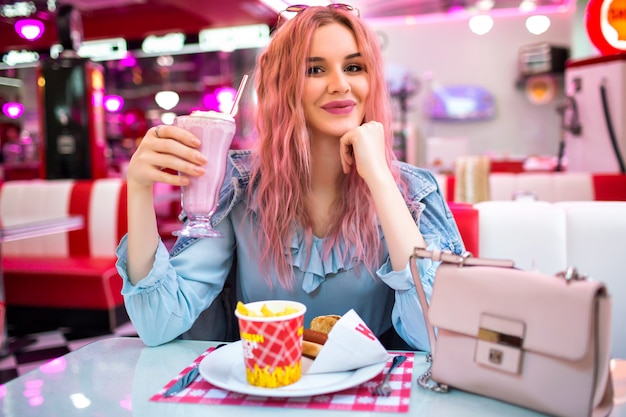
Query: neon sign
606,25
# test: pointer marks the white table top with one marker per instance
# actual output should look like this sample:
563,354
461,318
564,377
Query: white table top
40,228
117,376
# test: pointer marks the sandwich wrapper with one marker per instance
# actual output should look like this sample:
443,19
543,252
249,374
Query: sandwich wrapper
350,345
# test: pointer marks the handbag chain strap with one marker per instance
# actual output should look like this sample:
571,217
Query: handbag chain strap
425,380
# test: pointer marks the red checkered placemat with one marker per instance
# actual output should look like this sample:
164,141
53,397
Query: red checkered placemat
357,398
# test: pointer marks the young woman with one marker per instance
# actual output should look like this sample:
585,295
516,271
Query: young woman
319,212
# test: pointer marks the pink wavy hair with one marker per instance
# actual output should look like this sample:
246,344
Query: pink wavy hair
283,166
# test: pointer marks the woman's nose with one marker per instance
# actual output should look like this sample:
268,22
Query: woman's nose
338,82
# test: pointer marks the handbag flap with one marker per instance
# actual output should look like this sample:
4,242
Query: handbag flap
557,316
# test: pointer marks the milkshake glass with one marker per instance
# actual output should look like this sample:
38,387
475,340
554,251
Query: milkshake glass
201,196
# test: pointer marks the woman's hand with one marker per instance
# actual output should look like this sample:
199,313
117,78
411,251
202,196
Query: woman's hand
364,147
165,147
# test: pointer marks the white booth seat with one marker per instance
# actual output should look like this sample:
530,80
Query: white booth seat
552,186
549,237
532,233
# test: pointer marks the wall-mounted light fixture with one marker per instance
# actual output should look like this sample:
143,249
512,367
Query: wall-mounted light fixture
13,109
29,29
113,103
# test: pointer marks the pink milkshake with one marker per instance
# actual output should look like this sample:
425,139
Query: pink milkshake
200,198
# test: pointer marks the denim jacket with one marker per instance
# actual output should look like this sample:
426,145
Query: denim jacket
183,284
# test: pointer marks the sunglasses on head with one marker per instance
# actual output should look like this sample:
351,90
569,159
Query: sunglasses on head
294,9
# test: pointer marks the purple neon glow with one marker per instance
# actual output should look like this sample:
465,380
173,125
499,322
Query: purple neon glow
13,110
54,366
128,61
127,403
130,119
210,101
32,391
29,29
113,103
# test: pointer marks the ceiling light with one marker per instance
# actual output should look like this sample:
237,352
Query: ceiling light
527,6
166,100
481,24
29,29
538,24
165,61
485,4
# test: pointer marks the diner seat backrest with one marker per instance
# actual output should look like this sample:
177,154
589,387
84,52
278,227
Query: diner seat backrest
573,186
531,233
595,246
101,203
502,186
552,186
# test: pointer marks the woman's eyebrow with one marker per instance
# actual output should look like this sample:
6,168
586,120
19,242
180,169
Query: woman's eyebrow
318,59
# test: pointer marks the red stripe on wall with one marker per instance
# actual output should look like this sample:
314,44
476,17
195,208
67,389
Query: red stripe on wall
79,205
609,187
122,212
450,184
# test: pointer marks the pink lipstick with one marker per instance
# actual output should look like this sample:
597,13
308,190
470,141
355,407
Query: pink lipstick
339,106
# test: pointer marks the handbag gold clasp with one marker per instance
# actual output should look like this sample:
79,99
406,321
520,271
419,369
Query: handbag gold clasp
499,343
571,274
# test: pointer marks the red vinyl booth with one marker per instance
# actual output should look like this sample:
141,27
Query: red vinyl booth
69,278
605,186
466,217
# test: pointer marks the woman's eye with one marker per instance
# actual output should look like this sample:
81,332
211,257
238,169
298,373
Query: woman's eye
313,70
354,68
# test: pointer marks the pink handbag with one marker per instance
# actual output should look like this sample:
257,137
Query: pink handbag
526,338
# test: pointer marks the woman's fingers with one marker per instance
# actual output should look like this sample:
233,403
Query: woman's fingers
363,147
346,154
174,132
166,148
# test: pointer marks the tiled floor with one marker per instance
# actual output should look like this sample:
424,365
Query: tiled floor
34,350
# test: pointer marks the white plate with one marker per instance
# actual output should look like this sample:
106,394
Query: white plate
224,368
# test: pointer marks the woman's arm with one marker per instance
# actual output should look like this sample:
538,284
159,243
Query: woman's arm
167,302
440,232
401,232
173,148
365,148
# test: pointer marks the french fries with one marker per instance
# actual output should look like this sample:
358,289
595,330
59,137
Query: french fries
264,312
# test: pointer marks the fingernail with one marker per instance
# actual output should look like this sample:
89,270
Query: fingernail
202,158
199,170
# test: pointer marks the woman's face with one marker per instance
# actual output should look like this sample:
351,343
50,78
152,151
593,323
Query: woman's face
336,85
